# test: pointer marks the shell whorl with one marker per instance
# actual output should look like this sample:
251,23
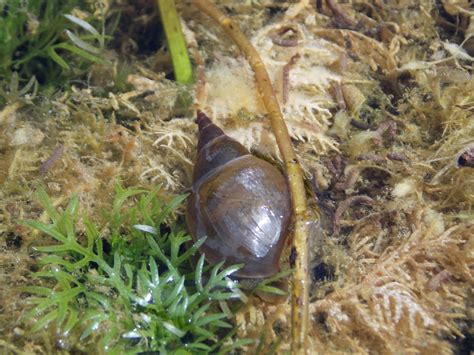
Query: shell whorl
239,202
215,148
208,131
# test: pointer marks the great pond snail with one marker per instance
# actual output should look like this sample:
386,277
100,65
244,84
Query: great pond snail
240,202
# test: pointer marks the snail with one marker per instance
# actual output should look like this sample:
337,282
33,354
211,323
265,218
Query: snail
239,202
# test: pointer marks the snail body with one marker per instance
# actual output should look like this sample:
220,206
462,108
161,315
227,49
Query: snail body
240,202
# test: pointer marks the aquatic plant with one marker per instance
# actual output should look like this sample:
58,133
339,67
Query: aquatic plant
129,284
176,42
37,39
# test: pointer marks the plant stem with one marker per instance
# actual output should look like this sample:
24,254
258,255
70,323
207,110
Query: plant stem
176,43
300,290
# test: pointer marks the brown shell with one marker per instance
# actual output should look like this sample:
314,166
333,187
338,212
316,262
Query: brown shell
240,202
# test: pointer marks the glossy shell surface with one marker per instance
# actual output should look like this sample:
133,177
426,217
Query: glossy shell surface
241,203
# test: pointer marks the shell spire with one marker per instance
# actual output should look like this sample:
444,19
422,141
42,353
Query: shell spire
215,148
207,130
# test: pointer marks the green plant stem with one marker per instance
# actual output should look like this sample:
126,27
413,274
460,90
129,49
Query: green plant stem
176,43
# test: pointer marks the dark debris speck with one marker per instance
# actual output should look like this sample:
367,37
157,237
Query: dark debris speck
323,272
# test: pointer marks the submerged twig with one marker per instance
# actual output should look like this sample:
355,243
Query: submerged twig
55,155
398,157
389,126
199,70
377,159
350,180
335,166
437,280
282,41
300,290
344,206
341,16
286,77
338,95
361,125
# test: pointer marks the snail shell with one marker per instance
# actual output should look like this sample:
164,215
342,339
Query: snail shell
240,202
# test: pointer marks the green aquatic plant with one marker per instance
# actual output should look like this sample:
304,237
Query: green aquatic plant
130,284
42,39
176,43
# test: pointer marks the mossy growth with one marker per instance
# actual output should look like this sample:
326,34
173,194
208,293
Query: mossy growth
129,284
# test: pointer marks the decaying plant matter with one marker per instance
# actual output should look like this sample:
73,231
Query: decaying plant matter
379,100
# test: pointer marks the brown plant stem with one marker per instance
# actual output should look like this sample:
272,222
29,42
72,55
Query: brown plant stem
286,78
57,152
300,289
